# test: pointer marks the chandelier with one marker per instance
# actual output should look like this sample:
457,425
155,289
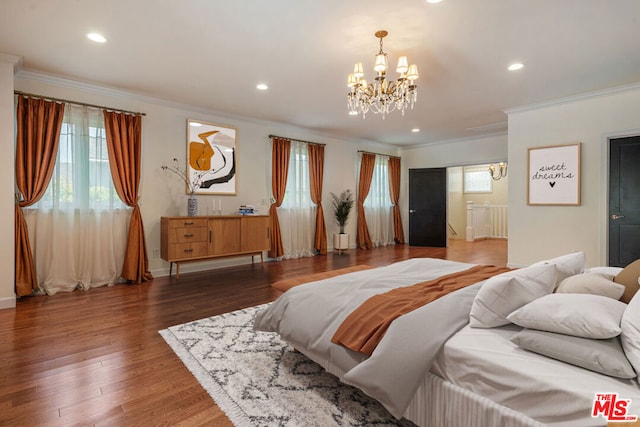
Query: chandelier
498,173
382,96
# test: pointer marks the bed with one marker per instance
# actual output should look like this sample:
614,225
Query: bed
489,353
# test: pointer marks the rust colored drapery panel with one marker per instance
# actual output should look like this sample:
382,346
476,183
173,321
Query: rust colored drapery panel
124,142
38,125
316,175
280,153
394,191
367,164
365,327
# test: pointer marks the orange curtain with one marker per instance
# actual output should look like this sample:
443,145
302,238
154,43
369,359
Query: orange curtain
367,164
394,191
316,174
38,125
124,142
279,172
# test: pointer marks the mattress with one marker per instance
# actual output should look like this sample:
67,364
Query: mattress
487,363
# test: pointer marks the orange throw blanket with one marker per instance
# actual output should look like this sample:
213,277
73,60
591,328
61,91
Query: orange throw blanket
364,328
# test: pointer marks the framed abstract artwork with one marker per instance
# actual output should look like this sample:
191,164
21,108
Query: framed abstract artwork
212,152
554,175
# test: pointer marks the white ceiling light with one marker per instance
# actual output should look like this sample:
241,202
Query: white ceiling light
262,86
433,1
382,96
98,38
516,66
415,130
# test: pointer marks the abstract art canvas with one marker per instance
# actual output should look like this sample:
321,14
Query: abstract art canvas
212,157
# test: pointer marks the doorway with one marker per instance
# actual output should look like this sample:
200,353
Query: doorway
624,201
438,204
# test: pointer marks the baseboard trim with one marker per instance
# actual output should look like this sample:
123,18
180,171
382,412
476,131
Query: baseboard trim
7,302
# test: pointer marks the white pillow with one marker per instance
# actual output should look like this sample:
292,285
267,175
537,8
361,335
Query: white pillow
567,265
604,356
502,294
630,337
608,272
580,315
591,283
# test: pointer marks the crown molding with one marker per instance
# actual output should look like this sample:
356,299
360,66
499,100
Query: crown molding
14,60
96,88
456,140
574,98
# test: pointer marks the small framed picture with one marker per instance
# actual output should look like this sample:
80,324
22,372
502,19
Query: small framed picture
212,157
554,175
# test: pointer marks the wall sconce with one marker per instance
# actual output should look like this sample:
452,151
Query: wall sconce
499,172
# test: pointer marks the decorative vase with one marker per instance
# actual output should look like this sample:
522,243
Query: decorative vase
192,205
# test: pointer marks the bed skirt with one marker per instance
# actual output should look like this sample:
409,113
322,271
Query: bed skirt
440,403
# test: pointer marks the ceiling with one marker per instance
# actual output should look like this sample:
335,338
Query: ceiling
211,54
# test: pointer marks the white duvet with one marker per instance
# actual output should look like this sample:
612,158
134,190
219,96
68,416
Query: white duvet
308,315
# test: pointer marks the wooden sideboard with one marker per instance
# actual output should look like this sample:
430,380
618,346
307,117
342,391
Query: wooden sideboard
198,238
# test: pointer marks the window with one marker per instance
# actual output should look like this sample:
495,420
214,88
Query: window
377,205
298,193
82,178
79,227
477,179
297,212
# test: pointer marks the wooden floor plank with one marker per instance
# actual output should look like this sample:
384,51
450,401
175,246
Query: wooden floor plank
96,358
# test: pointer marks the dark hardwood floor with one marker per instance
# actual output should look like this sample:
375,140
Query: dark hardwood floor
96,358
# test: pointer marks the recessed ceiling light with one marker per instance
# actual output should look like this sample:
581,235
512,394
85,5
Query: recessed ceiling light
262,86
353,113
98,38
516,66
415,130
434,1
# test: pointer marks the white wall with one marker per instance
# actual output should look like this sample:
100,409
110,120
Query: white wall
164,137
538,232
490,149
7,182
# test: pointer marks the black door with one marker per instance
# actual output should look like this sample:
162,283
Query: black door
624,201
428,207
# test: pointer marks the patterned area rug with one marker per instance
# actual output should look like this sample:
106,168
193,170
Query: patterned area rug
259,380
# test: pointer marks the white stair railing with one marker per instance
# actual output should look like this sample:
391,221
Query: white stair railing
486,221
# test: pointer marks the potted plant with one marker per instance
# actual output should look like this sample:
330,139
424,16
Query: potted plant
342,205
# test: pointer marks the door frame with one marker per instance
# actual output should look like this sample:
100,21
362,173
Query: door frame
405,219
605,156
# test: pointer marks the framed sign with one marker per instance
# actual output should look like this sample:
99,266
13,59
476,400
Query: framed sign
212,157
554,175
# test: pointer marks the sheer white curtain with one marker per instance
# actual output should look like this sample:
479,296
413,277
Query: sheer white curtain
78,230
377,205
297,213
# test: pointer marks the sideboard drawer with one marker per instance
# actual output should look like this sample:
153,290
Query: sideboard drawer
188,234
187,222
188,250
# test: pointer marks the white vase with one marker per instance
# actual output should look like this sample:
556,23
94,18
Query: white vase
192,205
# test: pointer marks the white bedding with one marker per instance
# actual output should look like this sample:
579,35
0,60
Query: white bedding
435,338
307,316
487,363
